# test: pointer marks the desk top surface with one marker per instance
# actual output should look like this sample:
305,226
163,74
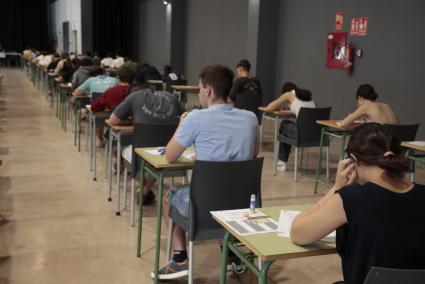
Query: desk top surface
271,246
186,88
335,124
278,113
125,128
155,82
416,145
159,161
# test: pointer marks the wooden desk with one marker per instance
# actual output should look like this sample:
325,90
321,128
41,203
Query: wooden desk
116,132
154,83
180,89
277,117
413,146
331,128
268,247
157,167
415,157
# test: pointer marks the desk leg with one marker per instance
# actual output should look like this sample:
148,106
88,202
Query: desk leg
79,129
264,269
342,146
65,102
118,173
158,224
142,189
224,254
110,165
261,132
75,124
275,145
319,160
94,148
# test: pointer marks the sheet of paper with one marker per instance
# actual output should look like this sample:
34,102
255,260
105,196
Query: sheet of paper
189,154
153,152
239,221
417,143
285,223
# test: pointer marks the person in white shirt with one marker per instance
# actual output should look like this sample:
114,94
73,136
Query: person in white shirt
117,62
293,98
107,61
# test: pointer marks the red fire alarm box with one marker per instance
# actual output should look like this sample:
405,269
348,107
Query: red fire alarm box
339,52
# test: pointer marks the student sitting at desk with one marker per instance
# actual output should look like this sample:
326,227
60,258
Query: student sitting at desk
294,99
377,214
82,73
146,107
218,133
368,110
245,84
98,83
112,97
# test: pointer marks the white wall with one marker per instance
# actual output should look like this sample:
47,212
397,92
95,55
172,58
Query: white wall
67,11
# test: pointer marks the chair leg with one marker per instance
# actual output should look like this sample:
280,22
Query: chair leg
302,157
327,164
190,278
275,154
125,187
170,235
296,164
132,203
306,159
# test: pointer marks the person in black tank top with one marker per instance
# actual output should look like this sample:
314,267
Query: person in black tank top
378,215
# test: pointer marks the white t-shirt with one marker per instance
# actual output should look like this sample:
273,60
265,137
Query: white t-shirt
117,62
297,104
107,62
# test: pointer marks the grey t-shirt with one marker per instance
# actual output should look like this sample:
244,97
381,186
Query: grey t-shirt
148,107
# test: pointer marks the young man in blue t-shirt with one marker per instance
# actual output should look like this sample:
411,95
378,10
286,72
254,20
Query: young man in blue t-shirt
219,133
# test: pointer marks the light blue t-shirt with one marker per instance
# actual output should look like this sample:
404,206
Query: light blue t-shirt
98,84
220,133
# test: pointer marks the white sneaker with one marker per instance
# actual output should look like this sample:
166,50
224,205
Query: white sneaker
281,166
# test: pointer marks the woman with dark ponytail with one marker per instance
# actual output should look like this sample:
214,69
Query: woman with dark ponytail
378,215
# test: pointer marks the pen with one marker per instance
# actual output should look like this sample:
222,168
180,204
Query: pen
161,150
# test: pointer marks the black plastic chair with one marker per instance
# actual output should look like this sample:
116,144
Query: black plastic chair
145,135
308,135
405,132
381,275
216,186
249,101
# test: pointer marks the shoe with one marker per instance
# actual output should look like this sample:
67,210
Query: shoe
232,262
148,198
281,166
172,270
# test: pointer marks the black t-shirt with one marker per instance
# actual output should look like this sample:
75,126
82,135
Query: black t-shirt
384,229
244,85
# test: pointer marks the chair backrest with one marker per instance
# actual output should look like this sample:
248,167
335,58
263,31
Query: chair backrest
94,96
221,186
308,131
380,275
150,135
405,132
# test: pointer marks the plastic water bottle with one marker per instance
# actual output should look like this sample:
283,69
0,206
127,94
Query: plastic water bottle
252,204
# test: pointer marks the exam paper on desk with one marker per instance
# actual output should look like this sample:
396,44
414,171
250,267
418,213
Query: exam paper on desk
239,220
285,223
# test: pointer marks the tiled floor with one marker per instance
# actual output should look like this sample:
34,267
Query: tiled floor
57,227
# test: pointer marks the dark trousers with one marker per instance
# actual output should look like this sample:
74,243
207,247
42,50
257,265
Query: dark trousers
288,129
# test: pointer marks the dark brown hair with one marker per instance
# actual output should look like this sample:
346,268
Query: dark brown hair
244,64
96,71
367,92
303,95
219,77
125,75
370,142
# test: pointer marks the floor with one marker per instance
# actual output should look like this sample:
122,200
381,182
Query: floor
56,225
